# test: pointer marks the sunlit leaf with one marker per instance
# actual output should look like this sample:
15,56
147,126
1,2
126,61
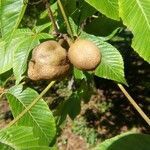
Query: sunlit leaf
78,74
136,16
109,8
20,138
39,116
21,56
42,27
7,53
28,42
11,13
111,66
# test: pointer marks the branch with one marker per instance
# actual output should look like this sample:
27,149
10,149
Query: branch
66,19
132,101
51,17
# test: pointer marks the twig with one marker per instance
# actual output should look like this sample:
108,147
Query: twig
132,101
66,19
31,105
2,92
51,17
2,95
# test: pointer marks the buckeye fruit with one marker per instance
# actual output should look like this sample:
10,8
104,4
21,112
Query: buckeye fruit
49,61
84,55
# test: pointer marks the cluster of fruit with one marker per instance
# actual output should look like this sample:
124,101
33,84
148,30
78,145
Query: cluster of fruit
51,61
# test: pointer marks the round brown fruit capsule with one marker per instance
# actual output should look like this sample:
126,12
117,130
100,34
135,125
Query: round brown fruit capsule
84,55
49,61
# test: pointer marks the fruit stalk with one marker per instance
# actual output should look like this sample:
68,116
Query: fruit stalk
66,20
50,14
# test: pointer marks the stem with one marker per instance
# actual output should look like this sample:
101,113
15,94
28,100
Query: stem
132,101
2,94
51,17
69,41
31,105
65,18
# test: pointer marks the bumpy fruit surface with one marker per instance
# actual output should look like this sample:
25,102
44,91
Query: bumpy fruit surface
84,55
49,61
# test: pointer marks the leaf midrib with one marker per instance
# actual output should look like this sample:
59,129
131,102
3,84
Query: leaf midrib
11,145
142,10
31,116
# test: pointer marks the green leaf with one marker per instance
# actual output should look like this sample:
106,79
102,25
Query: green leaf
17,138
86,89
7,53
39,116
74,27
11,13
136,16
5,77
42,27
111,66
6,57
109,8
78,74
71,107
45,36
16,53
126,141
7,50
27,43
21,56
